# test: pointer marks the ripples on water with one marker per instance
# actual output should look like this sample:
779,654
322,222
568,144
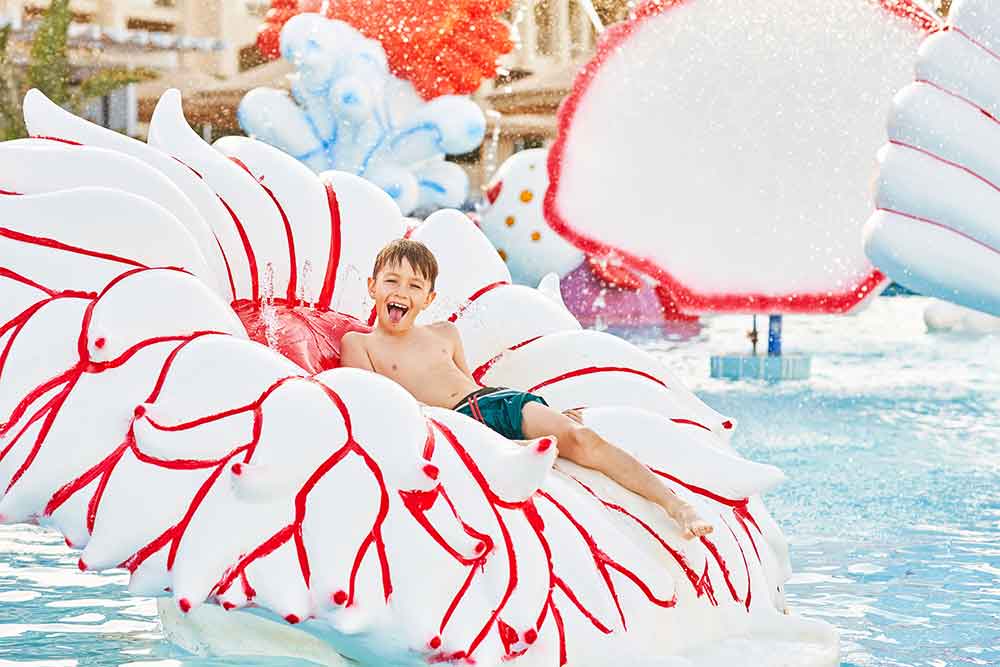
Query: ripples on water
892,451
892,504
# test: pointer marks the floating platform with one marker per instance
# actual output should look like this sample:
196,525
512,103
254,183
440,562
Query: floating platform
761,367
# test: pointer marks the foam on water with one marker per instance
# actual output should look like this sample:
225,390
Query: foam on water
891,507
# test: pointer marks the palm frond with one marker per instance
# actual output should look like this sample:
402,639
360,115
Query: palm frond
4,38
11,123
49,68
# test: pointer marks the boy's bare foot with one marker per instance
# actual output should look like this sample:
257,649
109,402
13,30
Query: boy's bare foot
691,524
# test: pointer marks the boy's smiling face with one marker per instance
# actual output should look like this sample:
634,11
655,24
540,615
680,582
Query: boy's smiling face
400,294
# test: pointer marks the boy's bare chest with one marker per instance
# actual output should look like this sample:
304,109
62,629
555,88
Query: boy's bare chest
410,360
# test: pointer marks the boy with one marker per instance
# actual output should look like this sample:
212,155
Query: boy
429,362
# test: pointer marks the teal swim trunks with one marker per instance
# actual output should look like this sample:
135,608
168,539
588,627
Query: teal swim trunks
498,408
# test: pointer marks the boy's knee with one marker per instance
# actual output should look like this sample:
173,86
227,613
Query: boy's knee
581,445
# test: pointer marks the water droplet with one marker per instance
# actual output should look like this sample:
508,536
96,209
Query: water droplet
305,296
268,313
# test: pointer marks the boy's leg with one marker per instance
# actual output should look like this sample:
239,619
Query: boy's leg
584,447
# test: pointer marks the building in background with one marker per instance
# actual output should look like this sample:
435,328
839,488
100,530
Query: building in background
225,27
554,39
194,44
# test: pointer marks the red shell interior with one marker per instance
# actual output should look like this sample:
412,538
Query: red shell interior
309,337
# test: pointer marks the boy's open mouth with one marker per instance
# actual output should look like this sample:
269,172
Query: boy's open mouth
396,311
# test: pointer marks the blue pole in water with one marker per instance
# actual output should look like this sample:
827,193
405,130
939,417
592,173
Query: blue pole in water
774,336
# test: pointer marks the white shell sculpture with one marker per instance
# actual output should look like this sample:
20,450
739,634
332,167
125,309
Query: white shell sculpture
946,317
322,512
937,224
723,149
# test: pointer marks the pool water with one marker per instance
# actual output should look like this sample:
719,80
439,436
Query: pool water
891,507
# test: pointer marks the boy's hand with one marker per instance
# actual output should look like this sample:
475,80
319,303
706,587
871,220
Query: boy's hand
575,415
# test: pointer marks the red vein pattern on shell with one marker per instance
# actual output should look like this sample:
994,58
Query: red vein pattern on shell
308,335
293,531
218,243
937,158
486,289
687,299
481,370
173,535
333,262
50,412
68,142
58,245
590,370
701,584
222,251
993,54
247,249
495,503
941,225
292,265
964,99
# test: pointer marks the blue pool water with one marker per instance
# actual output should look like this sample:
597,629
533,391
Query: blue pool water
892,504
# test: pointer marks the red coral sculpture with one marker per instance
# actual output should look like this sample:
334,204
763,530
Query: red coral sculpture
441,46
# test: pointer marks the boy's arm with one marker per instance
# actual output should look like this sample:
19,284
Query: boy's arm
352,352
458,354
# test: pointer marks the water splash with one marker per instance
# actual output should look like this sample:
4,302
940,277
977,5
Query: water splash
351,295
305,295
473,314
599,302
492,146
268,313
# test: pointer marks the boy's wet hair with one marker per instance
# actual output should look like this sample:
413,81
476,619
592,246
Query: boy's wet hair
416,253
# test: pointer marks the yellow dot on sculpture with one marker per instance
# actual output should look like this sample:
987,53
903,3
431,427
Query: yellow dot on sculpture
509,221
503,255
536,236
526,196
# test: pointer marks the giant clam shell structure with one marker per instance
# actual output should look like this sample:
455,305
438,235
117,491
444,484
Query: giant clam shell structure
936,226
724,149
287,512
